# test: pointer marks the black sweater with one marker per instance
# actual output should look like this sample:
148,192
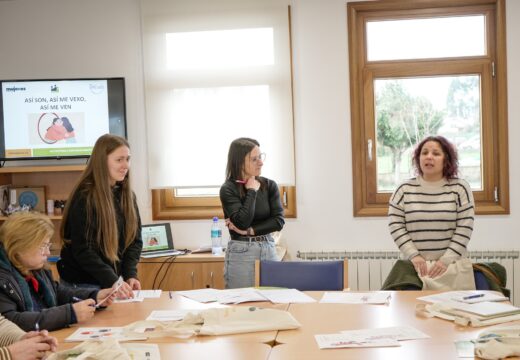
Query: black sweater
82,262
262,210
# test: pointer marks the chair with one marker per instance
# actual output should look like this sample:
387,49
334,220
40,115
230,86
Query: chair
302,275
481,282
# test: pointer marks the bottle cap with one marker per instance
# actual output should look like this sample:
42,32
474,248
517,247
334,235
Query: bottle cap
215,218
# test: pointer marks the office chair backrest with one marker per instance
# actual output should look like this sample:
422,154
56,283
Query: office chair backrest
302,275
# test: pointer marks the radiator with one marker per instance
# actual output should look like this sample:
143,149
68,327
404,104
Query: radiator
367,270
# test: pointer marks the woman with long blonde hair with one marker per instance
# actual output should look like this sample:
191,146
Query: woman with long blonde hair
101,228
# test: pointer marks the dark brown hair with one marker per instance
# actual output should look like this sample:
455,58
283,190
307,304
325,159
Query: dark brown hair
451,159
238,150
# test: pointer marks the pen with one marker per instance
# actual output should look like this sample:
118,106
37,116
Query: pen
37,326
170,293
472,296
77,299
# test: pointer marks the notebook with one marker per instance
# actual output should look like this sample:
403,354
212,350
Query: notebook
157,241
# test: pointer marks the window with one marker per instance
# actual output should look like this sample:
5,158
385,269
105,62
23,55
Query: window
428,68
215,70
168,205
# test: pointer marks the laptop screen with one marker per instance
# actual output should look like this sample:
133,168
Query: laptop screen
157,237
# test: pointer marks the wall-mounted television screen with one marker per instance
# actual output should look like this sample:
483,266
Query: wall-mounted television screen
60,118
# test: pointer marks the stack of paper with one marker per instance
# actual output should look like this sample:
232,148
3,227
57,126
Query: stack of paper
380,337
286,296
140,295
472,297
486,309
467,296
101,333
235,296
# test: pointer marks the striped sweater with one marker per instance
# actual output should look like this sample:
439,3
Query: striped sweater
432,219
9,333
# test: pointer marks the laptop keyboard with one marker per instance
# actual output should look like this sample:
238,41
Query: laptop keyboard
161,253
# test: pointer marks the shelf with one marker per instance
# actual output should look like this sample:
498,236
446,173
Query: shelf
32,169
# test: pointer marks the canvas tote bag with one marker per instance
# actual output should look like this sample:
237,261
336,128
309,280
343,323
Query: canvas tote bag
217,321
93,350
458,276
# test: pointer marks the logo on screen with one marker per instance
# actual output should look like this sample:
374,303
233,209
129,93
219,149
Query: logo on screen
14,89
96,88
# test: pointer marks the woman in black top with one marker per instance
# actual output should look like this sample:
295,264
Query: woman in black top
101,229
252,209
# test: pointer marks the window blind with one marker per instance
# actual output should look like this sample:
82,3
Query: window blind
216,70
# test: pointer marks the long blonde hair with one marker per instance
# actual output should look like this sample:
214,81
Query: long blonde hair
23,232
95,184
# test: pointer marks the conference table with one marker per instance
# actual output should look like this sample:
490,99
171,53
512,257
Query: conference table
315,318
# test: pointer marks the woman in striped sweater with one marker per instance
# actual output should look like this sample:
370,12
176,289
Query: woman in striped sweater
16,344
431,216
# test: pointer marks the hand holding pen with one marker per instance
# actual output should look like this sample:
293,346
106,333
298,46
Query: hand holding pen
84,309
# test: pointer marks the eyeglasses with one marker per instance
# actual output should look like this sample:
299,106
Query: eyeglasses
260,157
45,247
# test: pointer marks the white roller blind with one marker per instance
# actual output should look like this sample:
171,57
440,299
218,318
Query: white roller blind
216,70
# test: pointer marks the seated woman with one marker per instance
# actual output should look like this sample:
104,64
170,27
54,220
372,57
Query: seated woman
16,344
29,296
430,216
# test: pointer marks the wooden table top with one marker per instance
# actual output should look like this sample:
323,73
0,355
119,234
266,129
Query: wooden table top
319,318
125,313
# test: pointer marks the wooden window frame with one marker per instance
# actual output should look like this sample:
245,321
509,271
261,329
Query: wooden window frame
494,198
167,206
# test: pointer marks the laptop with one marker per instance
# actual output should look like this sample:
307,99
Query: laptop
157,241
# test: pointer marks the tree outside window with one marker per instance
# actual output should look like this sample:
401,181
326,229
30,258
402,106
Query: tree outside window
428,68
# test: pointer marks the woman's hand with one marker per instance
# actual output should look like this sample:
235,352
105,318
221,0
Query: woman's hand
437,269
420,265
84,310
32,347
134,283
125,291
232,226
44,336
105,296
252,183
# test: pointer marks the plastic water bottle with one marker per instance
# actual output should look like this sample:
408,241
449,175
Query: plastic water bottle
216,237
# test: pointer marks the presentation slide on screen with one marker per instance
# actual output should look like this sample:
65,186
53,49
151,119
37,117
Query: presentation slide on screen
154,238
54,118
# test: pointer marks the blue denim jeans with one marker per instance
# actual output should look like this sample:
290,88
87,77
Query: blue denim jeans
239,267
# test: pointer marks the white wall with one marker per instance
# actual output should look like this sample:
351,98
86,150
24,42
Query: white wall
75,38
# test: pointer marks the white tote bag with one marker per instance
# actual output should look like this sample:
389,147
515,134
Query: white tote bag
217,321
458,276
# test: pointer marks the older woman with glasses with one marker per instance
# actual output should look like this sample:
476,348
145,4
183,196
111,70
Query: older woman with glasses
252,209
29,296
